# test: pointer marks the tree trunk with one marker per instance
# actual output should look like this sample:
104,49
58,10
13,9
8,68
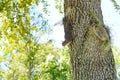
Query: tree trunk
90,51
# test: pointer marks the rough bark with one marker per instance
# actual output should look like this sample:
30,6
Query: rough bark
90,51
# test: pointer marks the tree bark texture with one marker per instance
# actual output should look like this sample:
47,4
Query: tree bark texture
90,51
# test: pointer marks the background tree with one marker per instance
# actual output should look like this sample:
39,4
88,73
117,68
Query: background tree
90,51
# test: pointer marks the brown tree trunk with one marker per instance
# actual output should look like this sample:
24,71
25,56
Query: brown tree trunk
90,51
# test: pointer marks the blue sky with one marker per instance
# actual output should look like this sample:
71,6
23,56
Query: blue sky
110,15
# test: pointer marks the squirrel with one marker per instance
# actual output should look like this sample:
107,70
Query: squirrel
68,28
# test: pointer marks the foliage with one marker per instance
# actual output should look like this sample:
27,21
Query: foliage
59,5
56,66
22,55
17,44
116,53
116,5
43,62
